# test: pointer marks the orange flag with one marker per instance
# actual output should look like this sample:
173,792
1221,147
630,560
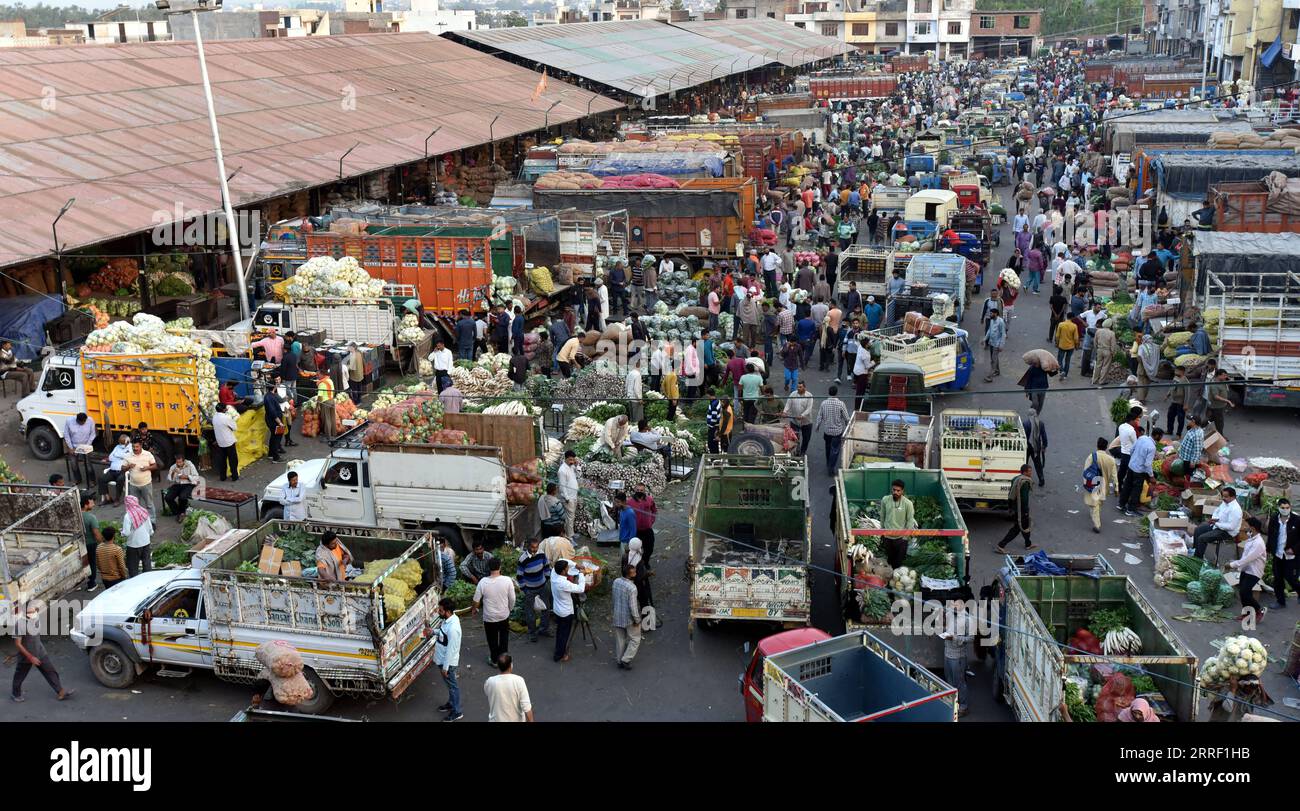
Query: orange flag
541,86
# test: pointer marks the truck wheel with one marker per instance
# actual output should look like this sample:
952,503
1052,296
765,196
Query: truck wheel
111,667
752,444
454,538
322,699
273,513
44,443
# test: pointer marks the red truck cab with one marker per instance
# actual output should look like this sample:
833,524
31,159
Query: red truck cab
751,681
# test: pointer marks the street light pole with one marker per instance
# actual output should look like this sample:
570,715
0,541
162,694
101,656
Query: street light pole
232,228
58,250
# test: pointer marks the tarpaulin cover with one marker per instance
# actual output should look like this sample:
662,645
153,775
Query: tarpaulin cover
1227,254
656,203
1193,174
22,320
632,163
1128,135
1271,52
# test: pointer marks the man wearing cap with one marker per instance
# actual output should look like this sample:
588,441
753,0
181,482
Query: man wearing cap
873,312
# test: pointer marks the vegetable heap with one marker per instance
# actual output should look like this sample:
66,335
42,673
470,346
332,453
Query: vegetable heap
410,332
146,335
1238,656
399,587
327,277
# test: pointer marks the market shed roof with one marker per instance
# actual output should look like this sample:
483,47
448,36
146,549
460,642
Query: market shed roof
648,58
124,129
778,41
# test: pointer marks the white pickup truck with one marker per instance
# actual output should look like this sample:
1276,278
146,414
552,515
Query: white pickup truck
212,616
459,491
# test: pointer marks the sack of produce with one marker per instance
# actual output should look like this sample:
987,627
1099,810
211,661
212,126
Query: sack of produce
702,313
282,667
590,338
1189,361
540,279
1045,359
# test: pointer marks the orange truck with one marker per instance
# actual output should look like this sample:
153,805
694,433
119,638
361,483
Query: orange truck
450,267
706,218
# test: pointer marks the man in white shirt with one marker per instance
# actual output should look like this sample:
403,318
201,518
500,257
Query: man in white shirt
113,473
562,591
183,477
1019,222
568,479
442,360
1222,526
446,655
1040,219
1067,267
1127,439
291,499
633,391
495,595
224,425
507,694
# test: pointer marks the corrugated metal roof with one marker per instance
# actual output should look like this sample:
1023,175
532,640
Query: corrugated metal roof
124,128
645,58
778,41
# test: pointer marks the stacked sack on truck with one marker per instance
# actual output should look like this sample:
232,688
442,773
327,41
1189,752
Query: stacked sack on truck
282,667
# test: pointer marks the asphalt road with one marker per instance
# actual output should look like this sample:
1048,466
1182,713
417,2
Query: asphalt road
678,677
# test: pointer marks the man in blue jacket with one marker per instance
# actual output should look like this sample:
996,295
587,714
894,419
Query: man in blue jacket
466,334
626,520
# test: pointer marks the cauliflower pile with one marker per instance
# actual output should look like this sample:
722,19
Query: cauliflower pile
147,335
1238,656
410,332
327,277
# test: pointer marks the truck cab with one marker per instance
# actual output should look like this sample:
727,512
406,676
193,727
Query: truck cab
751,681
59,394
156,618
334,489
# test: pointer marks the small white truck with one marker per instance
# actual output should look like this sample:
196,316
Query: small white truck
979,451
42,549
212,616
935,354
885,436
457,490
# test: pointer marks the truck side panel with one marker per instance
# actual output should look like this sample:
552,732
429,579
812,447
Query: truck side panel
58,568
1035,668
369,325
422,486
124,390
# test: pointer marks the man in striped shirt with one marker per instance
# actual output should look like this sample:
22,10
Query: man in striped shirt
532,575
1190,449
626,619
832,421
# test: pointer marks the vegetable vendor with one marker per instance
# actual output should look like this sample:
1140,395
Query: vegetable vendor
332,557
896,512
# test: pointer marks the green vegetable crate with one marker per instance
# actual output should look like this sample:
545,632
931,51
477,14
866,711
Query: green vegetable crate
1044,612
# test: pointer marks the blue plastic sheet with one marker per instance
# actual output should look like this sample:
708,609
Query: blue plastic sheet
22,320
1040,564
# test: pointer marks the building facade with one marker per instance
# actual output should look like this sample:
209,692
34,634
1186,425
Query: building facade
1005,33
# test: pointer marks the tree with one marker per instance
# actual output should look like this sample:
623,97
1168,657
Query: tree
678,5
514,19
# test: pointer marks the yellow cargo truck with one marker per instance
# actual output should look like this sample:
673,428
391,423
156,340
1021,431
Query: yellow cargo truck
117,391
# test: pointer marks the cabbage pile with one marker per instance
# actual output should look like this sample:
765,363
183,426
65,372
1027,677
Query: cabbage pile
672,327
147,335
503,291
1238,656
327,277
678,288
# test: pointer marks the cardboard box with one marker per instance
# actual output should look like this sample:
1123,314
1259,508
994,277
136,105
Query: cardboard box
291,568
270,560
1213,443
1165,520
1200,501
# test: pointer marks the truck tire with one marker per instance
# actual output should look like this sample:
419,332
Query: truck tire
752,444
455,539
272,513
323,698
111,666
44,442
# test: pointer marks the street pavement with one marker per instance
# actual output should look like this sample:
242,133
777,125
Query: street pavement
680,677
